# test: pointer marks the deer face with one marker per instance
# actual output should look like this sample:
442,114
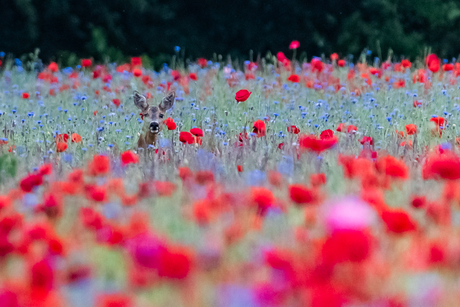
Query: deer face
153,115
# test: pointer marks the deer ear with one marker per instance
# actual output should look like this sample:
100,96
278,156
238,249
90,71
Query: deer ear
167,102
140,101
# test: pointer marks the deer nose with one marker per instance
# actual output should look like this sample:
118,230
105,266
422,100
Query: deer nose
154,125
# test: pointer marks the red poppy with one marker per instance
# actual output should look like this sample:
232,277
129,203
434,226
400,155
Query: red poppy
417,103
341,63
25,95
61,146
398,221
169,122
196,131
411,129
418,201
116,102
239,168
439,121
346,245
186,137
174,262
263,198
259,128
137,72
204,177
366,140
445,166
334,57
202,62
129,157
193,76
136,61
316,65
351,129
293,129
317,179
114,300
406,63
393,167
326,134
62,137
75,138
242,95
294,78
280,56
30,181
300,194
433,63
294,45
86,62
310,142
100,165
447,67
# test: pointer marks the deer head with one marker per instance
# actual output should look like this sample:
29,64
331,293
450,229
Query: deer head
152,116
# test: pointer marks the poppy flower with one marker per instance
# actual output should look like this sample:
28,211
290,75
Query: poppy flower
294,45
293,129
239,168
75,138
62,137
137,72
30,181
351,129
114,300
433,63
417,103
334,57
393,167
259,128
129,157
439,121
447,67
25,95
242,95
398,221
326,134
174,263
411,129
61,146
169,122
136,61
116,102
202,62
193,76
406,63
280,56
366,140
418,201
445,166
196,131
317,65
263,198
294,78
341,63
99,165
311,143
186,137
346,245
317,179
300,194
53,67
86,62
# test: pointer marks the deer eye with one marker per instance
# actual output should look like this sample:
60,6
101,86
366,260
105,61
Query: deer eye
161,115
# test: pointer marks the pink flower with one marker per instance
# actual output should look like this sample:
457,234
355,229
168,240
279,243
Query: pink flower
294,45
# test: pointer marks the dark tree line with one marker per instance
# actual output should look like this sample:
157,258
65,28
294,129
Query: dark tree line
121,28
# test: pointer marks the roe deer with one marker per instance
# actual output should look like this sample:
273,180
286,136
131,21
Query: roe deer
152,117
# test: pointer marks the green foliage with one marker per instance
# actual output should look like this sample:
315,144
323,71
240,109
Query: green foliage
8,166
116,29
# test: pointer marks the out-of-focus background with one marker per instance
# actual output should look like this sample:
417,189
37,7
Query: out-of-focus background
66,30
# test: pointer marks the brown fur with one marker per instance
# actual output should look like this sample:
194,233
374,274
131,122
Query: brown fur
152,114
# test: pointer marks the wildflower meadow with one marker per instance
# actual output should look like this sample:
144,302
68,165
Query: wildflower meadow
327,181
